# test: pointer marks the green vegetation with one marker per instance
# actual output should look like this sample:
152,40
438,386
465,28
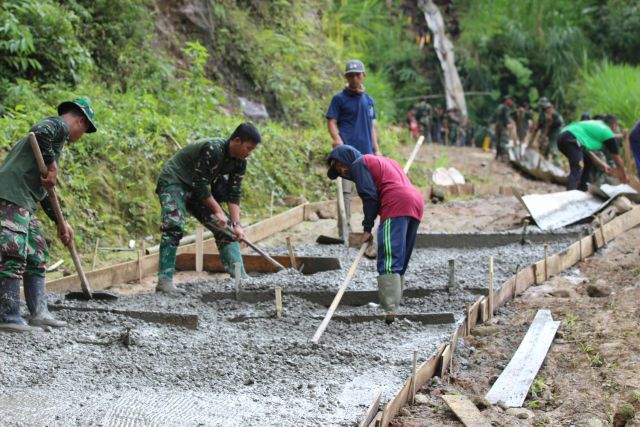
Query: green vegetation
161,76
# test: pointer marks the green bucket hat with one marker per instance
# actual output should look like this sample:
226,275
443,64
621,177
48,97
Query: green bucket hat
83,104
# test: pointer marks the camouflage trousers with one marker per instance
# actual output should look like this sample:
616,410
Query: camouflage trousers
175,202
22,246
502,140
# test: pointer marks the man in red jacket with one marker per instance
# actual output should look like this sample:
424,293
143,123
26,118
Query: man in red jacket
386,191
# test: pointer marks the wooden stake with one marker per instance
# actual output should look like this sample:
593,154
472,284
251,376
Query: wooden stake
524,231
452,278
278,302
292,255
546,251
199,247
490,298
95,254
413,376
238,278
467,321
515,283
604,241
139,268
371,411
342,212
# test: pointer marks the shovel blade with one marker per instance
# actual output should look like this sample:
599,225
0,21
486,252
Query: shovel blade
104,296
327,240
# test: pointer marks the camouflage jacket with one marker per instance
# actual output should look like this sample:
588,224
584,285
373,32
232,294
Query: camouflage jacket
554,126
197,166
19,172
501,117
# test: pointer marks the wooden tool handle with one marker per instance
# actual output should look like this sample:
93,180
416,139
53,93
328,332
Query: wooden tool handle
53,199
338,297
273,262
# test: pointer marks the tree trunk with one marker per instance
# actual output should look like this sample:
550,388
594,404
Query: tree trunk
444,49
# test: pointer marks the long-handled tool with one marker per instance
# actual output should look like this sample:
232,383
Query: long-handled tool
84,283
231,234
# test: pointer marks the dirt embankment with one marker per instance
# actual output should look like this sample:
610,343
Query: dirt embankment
590,376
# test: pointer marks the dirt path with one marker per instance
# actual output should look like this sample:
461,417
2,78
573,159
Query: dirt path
591,372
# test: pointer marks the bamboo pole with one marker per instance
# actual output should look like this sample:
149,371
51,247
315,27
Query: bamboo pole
490,298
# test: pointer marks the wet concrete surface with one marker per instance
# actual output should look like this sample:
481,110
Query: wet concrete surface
110,369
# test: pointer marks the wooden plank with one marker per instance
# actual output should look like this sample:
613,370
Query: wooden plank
372,410
445,360
425,318
512,385
465,410
257,263
199,247
392,408
189,321
474,312
258,231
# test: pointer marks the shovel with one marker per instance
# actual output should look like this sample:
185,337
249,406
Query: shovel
87,293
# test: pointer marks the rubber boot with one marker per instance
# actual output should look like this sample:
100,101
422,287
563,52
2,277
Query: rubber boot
389,294
166,269
35,293
230,255
10,319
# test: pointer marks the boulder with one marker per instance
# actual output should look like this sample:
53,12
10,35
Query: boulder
253,110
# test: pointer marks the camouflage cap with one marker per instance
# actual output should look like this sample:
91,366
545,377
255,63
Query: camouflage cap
543,102
84,105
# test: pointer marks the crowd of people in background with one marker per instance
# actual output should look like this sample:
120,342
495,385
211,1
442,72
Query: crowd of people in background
542,129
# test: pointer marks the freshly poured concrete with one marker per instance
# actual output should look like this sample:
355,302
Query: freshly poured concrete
256,372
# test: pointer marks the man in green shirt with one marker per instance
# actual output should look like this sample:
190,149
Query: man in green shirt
23,250
578,142
194,180
502,117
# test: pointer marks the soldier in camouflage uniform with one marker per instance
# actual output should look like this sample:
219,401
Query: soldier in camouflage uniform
423,116
502,117
194,180
453,125
549,123
23,250
524,119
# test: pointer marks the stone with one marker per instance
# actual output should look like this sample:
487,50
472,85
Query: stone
253,110
485,330
622,204
561,293
598,291
422,399
594,422
436,392
438,193
624,413
404,412
501,404
521,413
481,402
294,200
313,217
325,214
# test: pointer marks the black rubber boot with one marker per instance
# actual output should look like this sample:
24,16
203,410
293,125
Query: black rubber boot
10,319
35,293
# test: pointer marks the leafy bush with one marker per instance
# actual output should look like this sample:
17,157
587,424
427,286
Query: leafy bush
605,88
38,41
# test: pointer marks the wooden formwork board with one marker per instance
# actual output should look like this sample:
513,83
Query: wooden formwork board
526,277
132,270
423,373
257,263
257,231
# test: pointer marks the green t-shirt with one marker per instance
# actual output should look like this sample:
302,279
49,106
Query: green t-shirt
591,134
501,117
199,164
19,174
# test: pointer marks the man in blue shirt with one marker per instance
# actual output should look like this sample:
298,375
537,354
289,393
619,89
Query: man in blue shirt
351,121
